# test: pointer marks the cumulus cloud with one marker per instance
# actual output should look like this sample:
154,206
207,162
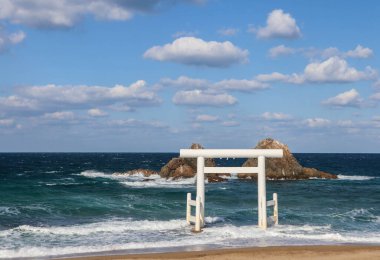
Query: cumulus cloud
332,70
66,13
16,103
136,93
335,70
275,116
50,98
240,85
243,85
317,122
136,123
203,98
96,112
195,51
206,118
60,115
349,98
279,25
8,40
359,52
280,50
185,82
228,31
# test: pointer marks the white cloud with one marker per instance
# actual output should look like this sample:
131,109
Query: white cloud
66,13
359,52
313,53
279,25
345,99
317,122
135,123
7,40
17,103
206,118
280,50
228,31
202,98
185,82
276,76
50,98
6,122
230,123
240,85
96,112
345,123
60,13
195,51
275,116
335,70
332,70
376,96
137,93
243,85
376,84
61,115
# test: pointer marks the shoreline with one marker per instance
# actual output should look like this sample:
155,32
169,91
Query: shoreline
335,252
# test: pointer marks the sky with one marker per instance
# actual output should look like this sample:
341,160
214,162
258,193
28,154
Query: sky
158,75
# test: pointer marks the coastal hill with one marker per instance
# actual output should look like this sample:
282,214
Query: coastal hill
285,168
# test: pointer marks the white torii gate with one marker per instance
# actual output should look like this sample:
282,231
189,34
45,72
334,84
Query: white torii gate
201,154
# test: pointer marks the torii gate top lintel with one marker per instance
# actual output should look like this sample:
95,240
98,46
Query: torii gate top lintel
231,153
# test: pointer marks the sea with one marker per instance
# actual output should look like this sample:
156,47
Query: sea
55,205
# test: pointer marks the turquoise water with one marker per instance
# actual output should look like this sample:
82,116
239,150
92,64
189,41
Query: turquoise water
56,204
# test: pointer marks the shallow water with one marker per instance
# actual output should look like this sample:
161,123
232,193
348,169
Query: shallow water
54,204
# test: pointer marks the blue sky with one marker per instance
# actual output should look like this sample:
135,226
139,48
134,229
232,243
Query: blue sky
156,76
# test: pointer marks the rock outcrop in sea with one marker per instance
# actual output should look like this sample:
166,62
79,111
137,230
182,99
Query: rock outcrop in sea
187,167
285,168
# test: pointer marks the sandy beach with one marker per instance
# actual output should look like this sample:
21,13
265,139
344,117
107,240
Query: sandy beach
269,253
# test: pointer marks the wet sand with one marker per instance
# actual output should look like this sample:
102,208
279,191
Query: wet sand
339,252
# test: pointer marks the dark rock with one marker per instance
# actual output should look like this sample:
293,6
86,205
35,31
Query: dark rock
287,167
184,167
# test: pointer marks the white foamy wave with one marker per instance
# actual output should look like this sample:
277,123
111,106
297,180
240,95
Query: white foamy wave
355,177
211,220
115,226
9,211
140,181
106,236
359,214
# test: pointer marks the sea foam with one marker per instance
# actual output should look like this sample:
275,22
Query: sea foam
90,238
355,177
140,181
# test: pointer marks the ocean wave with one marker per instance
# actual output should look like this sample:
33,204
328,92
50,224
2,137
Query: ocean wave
359,215
114,226
140,181
9,211
355,177
107,236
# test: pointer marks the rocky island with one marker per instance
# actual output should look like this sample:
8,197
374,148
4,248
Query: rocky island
285,168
